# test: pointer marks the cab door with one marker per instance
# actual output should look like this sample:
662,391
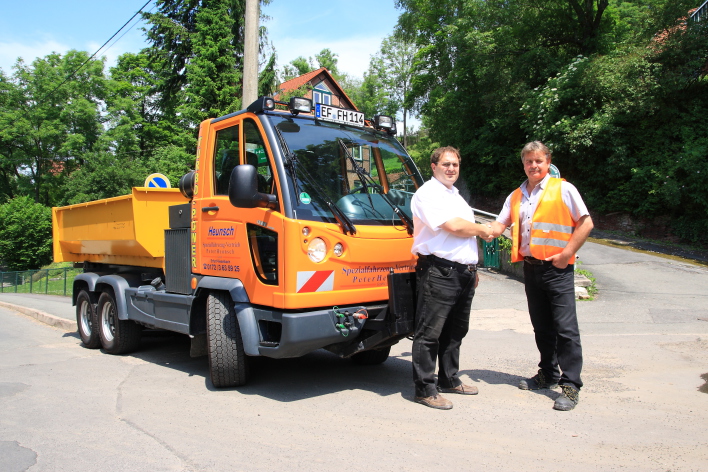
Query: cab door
242,243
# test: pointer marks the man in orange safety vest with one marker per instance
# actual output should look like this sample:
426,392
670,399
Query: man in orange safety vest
550,223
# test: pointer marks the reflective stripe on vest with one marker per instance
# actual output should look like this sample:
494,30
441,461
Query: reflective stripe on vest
552,224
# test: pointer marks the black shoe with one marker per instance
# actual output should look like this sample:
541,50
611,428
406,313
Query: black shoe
537,382
568,398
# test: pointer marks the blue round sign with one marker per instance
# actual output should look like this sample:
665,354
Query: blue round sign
157,181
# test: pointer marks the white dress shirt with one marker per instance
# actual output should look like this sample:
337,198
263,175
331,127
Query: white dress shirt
433,204
570,195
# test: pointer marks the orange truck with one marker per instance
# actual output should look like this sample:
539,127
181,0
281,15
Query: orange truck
292,233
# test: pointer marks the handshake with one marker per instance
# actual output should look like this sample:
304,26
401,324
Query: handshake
488,233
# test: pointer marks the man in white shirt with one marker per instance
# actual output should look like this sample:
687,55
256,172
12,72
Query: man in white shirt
551,223
446,278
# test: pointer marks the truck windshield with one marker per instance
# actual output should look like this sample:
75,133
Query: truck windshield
318,148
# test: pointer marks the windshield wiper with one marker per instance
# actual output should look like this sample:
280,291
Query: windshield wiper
290,160
364,177
292,163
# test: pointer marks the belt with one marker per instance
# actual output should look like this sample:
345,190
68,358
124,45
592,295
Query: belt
534,261
440,262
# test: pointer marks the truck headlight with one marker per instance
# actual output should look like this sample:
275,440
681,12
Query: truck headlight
317,250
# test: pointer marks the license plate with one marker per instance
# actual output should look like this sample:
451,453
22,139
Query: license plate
339,115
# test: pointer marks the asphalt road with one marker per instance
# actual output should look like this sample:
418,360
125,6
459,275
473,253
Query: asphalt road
67,408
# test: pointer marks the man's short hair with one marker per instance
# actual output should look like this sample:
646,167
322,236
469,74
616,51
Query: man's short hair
435,157
535,146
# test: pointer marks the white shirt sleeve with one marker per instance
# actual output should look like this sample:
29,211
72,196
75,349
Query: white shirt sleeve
505,214
573,200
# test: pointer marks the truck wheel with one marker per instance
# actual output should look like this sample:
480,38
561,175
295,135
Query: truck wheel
372,357
228,364
86,320
117,336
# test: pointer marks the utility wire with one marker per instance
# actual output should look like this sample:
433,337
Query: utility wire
97,51
128,30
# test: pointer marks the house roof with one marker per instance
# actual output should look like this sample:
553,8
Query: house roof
699,11
298,82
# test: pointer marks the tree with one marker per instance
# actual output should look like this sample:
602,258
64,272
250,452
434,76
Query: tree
103,175
618,90
394,66
136,124
297,67
327,59
197,52
373,97
25,234
51,116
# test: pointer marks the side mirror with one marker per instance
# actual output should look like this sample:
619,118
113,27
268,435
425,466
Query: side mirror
243,189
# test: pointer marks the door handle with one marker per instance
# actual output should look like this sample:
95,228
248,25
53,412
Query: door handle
205,209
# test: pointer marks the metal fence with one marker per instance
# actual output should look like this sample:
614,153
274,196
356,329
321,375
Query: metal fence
57,281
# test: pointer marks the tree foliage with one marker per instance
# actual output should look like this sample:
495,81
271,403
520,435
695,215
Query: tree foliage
615,88
391,75
197,52
49,117
69,132
25,234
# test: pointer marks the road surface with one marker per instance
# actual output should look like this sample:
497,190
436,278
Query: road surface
645,341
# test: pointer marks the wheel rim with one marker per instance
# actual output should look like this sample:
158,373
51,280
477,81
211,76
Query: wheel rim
108,323
85,318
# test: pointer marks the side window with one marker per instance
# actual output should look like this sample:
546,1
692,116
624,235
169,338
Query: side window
226,157
264,253
257,157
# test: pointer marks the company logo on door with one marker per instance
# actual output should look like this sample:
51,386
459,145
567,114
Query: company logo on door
221,232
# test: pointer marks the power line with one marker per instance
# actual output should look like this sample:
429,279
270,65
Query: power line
70,76
128,30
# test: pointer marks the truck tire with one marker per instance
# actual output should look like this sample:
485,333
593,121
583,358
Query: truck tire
117,336
86,320
372,357
228,364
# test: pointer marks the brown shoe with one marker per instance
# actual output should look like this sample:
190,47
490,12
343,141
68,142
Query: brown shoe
462,389
436,401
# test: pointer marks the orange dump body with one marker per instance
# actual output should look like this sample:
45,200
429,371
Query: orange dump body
125,230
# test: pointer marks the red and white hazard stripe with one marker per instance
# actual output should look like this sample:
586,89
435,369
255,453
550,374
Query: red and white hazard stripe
315,281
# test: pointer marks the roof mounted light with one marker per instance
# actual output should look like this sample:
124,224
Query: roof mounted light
261,104
383,122
300,105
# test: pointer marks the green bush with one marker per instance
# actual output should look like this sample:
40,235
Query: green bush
25,234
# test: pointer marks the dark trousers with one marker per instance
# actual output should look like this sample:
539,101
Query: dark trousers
550,293
442,320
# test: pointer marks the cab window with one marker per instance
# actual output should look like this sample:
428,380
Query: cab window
226,157
256,156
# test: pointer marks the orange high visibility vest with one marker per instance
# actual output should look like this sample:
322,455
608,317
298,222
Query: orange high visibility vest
552,224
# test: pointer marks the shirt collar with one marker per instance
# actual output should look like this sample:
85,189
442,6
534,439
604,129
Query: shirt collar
444,187
541,184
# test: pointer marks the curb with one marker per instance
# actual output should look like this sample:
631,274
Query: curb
43,317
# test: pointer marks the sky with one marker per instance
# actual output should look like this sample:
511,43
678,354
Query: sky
353,29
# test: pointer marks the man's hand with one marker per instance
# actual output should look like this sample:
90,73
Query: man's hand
476,279
465,229
489,237
581,233
497,229
559,261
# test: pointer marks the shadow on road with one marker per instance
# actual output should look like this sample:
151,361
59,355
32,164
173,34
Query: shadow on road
493,377
316,374
284,380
